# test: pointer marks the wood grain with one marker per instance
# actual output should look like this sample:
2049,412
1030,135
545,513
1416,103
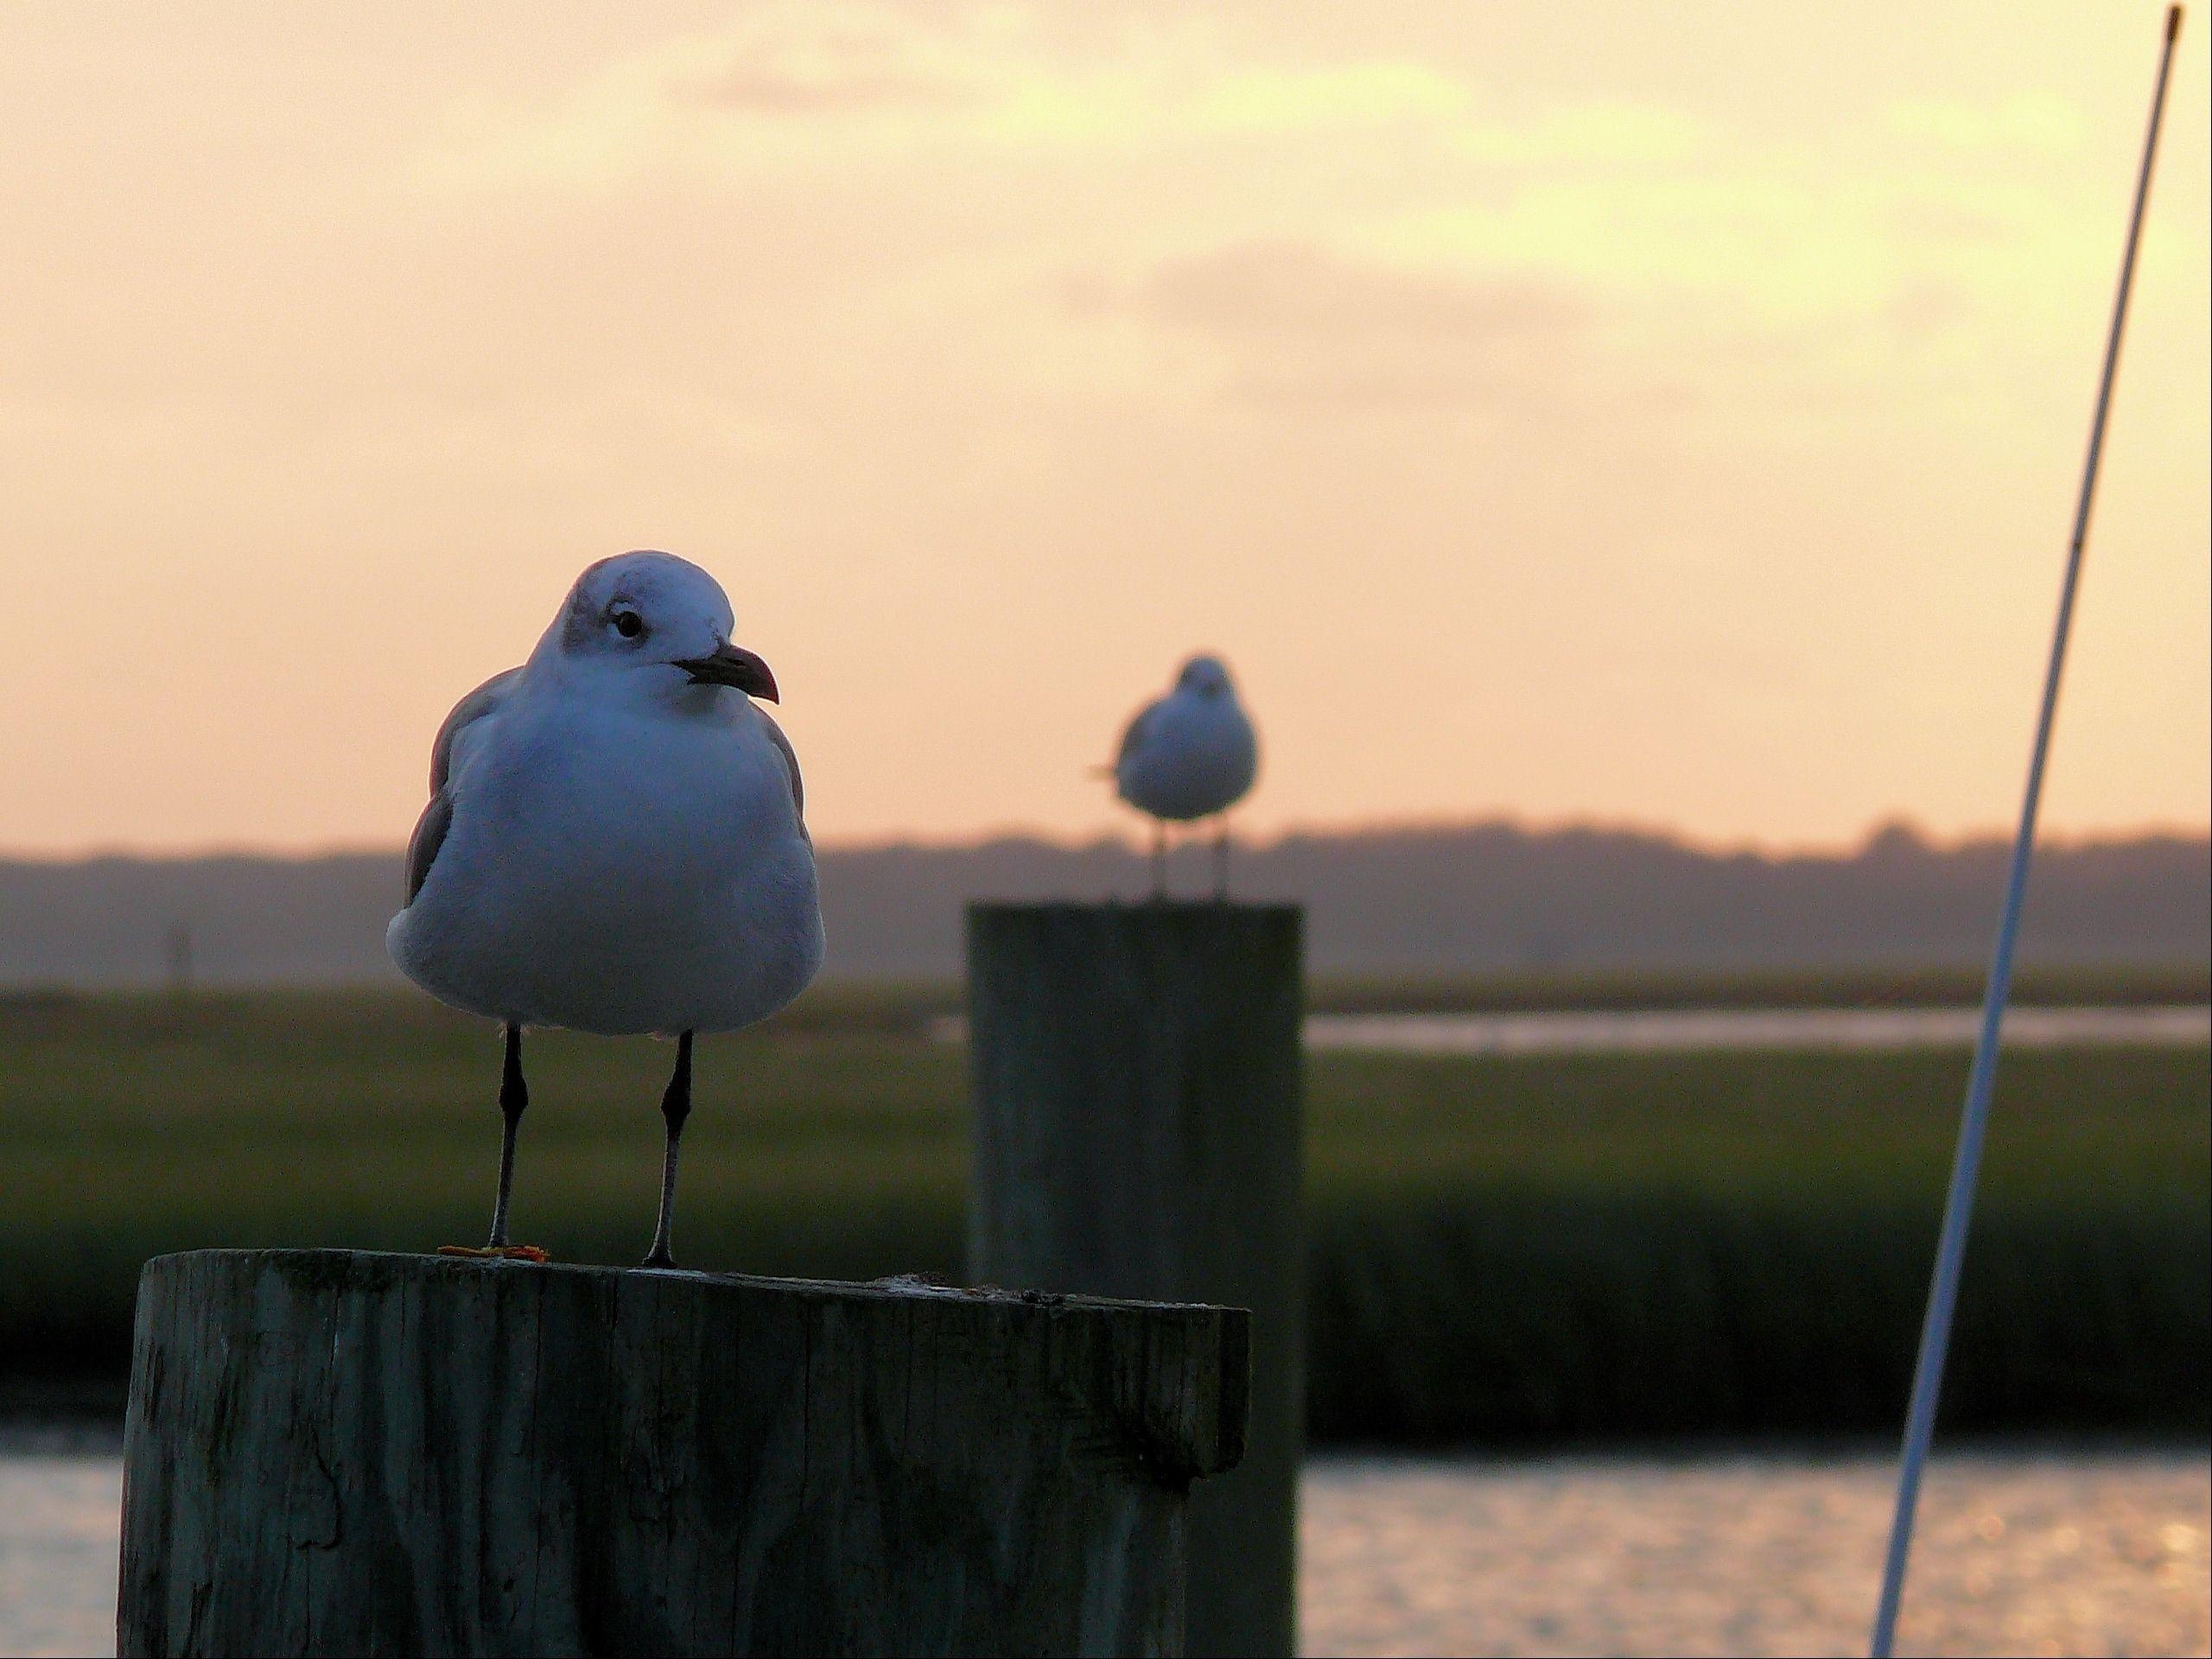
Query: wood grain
335,1451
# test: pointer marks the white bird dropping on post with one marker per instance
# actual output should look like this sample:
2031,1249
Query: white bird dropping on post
615,841
1191,754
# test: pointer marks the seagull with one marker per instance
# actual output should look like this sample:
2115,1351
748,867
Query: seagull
615,842
1190,754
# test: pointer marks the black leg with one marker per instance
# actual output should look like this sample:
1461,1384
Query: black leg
1221,859
675,1107
514,1100
1159,858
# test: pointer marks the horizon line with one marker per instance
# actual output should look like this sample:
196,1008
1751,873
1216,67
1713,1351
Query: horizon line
1887,824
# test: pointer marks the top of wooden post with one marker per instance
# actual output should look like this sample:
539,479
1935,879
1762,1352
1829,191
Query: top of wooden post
1183,1420
342,1452
1179,909
1271,933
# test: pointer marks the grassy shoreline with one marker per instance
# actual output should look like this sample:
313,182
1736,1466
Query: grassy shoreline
897,1005
1503,1250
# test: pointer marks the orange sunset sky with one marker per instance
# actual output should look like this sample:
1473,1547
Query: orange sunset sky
1660,414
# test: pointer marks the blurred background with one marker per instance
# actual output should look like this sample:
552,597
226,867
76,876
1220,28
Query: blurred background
1626,454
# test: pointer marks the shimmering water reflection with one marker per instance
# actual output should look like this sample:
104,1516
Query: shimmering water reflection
2017,1552
58,1544
2022,1552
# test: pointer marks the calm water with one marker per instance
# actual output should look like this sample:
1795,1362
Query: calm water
1659,1031
2021,1552
1684,1030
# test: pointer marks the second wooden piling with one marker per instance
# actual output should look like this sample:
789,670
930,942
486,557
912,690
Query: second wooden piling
1138,1132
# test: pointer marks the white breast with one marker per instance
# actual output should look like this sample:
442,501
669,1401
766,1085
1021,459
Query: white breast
1195,755
618,868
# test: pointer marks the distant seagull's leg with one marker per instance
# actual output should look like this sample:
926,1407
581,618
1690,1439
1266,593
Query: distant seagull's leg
1159,858
514,1100
1221,857
675,1106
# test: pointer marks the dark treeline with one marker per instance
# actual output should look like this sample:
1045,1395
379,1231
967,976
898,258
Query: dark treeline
1472,897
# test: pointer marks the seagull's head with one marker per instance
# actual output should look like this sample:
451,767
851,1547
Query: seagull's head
1206,677
655,616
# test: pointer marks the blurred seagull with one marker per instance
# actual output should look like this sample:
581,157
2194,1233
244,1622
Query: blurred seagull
615,841
1190,754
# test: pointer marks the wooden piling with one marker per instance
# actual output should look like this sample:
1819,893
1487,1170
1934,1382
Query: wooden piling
1137,1079
335,1451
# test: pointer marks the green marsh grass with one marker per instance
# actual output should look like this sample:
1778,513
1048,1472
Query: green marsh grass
1541,1247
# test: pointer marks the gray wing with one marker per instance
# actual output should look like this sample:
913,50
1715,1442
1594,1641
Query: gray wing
438,818
1134,737
791,763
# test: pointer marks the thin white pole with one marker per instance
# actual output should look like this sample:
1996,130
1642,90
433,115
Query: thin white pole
1966,1168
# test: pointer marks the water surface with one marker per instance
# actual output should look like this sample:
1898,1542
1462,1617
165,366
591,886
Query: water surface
1674,1031
1662,1031
2021,1552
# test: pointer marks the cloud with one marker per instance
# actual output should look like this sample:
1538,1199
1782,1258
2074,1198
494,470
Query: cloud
2024,124
783,62
1360,389
808,86
1302,288
779,90
1299,325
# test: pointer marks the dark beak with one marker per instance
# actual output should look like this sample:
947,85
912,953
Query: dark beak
734,665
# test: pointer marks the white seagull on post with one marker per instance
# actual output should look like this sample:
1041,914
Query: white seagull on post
1191,754
615,841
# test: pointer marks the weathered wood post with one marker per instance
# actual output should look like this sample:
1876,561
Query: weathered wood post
1138,1133
332,1452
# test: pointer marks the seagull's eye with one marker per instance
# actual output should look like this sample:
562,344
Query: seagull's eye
629,624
